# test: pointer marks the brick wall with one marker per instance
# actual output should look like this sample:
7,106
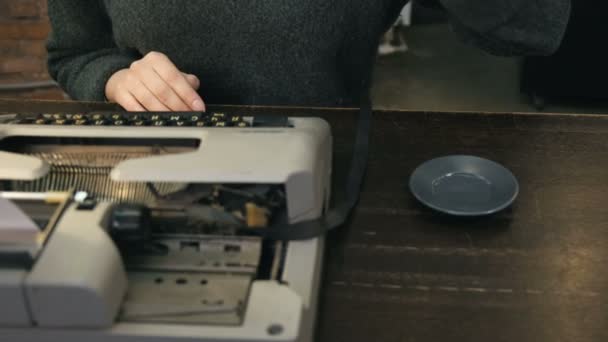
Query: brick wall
24,28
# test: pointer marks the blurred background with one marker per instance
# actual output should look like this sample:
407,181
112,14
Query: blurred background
23,30
422,65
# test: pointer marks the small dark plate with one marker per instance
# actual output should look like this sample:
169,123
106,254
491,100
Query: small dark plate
464,185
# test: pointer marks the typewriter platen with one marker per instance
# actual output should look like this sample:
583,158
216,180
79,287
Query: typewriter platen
154,236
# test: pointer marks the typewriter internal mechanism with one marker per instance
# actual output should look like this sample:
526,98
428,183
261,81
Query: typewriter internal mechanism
149,227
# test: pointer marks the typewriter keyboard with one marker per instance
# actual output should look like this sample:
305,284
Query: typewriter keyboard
188,119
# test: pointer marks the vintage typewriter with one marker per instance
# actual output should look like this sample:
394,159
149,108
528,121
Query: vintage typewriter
162,226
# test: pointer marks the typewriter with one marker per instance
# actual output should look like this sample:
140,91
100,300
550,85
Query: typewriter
149,227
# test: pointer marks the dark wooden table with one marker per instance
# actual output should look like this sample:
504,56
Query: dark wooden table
400,272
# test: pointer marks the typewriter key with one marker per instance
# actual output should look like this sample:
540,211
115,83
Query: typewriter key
60,122
23,121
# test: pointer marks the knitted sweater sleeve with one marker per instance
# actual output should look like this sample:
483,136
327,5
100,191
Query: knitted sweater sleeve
82,54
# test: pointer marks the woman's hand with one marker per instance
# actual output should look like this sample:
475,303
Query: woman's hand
154,83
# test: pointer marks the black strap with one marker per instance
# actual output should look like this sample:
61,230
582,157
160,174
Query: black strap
337,215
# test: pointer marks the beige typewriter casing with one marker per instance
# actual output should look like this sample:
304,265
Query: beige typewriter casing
80,299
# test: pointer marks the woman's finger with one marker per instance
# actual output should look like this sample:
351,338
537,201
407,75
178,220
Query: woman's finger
193,80
176,80
162,90
145,97
127,101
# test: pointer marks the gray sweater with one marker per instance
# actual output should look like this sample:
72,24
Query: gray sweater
271,52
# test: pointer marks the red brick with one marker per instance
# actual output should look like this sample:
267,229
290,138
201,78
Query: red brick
20,8
11,78
41,75
18,77
18,48
24,30
44,11
40,94
25,64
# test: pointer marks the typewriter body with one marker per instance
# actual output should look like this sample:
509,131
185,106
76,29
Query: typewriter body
148,226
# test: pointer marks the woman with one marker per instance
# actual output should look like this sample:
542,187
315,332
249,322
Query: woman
176,55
